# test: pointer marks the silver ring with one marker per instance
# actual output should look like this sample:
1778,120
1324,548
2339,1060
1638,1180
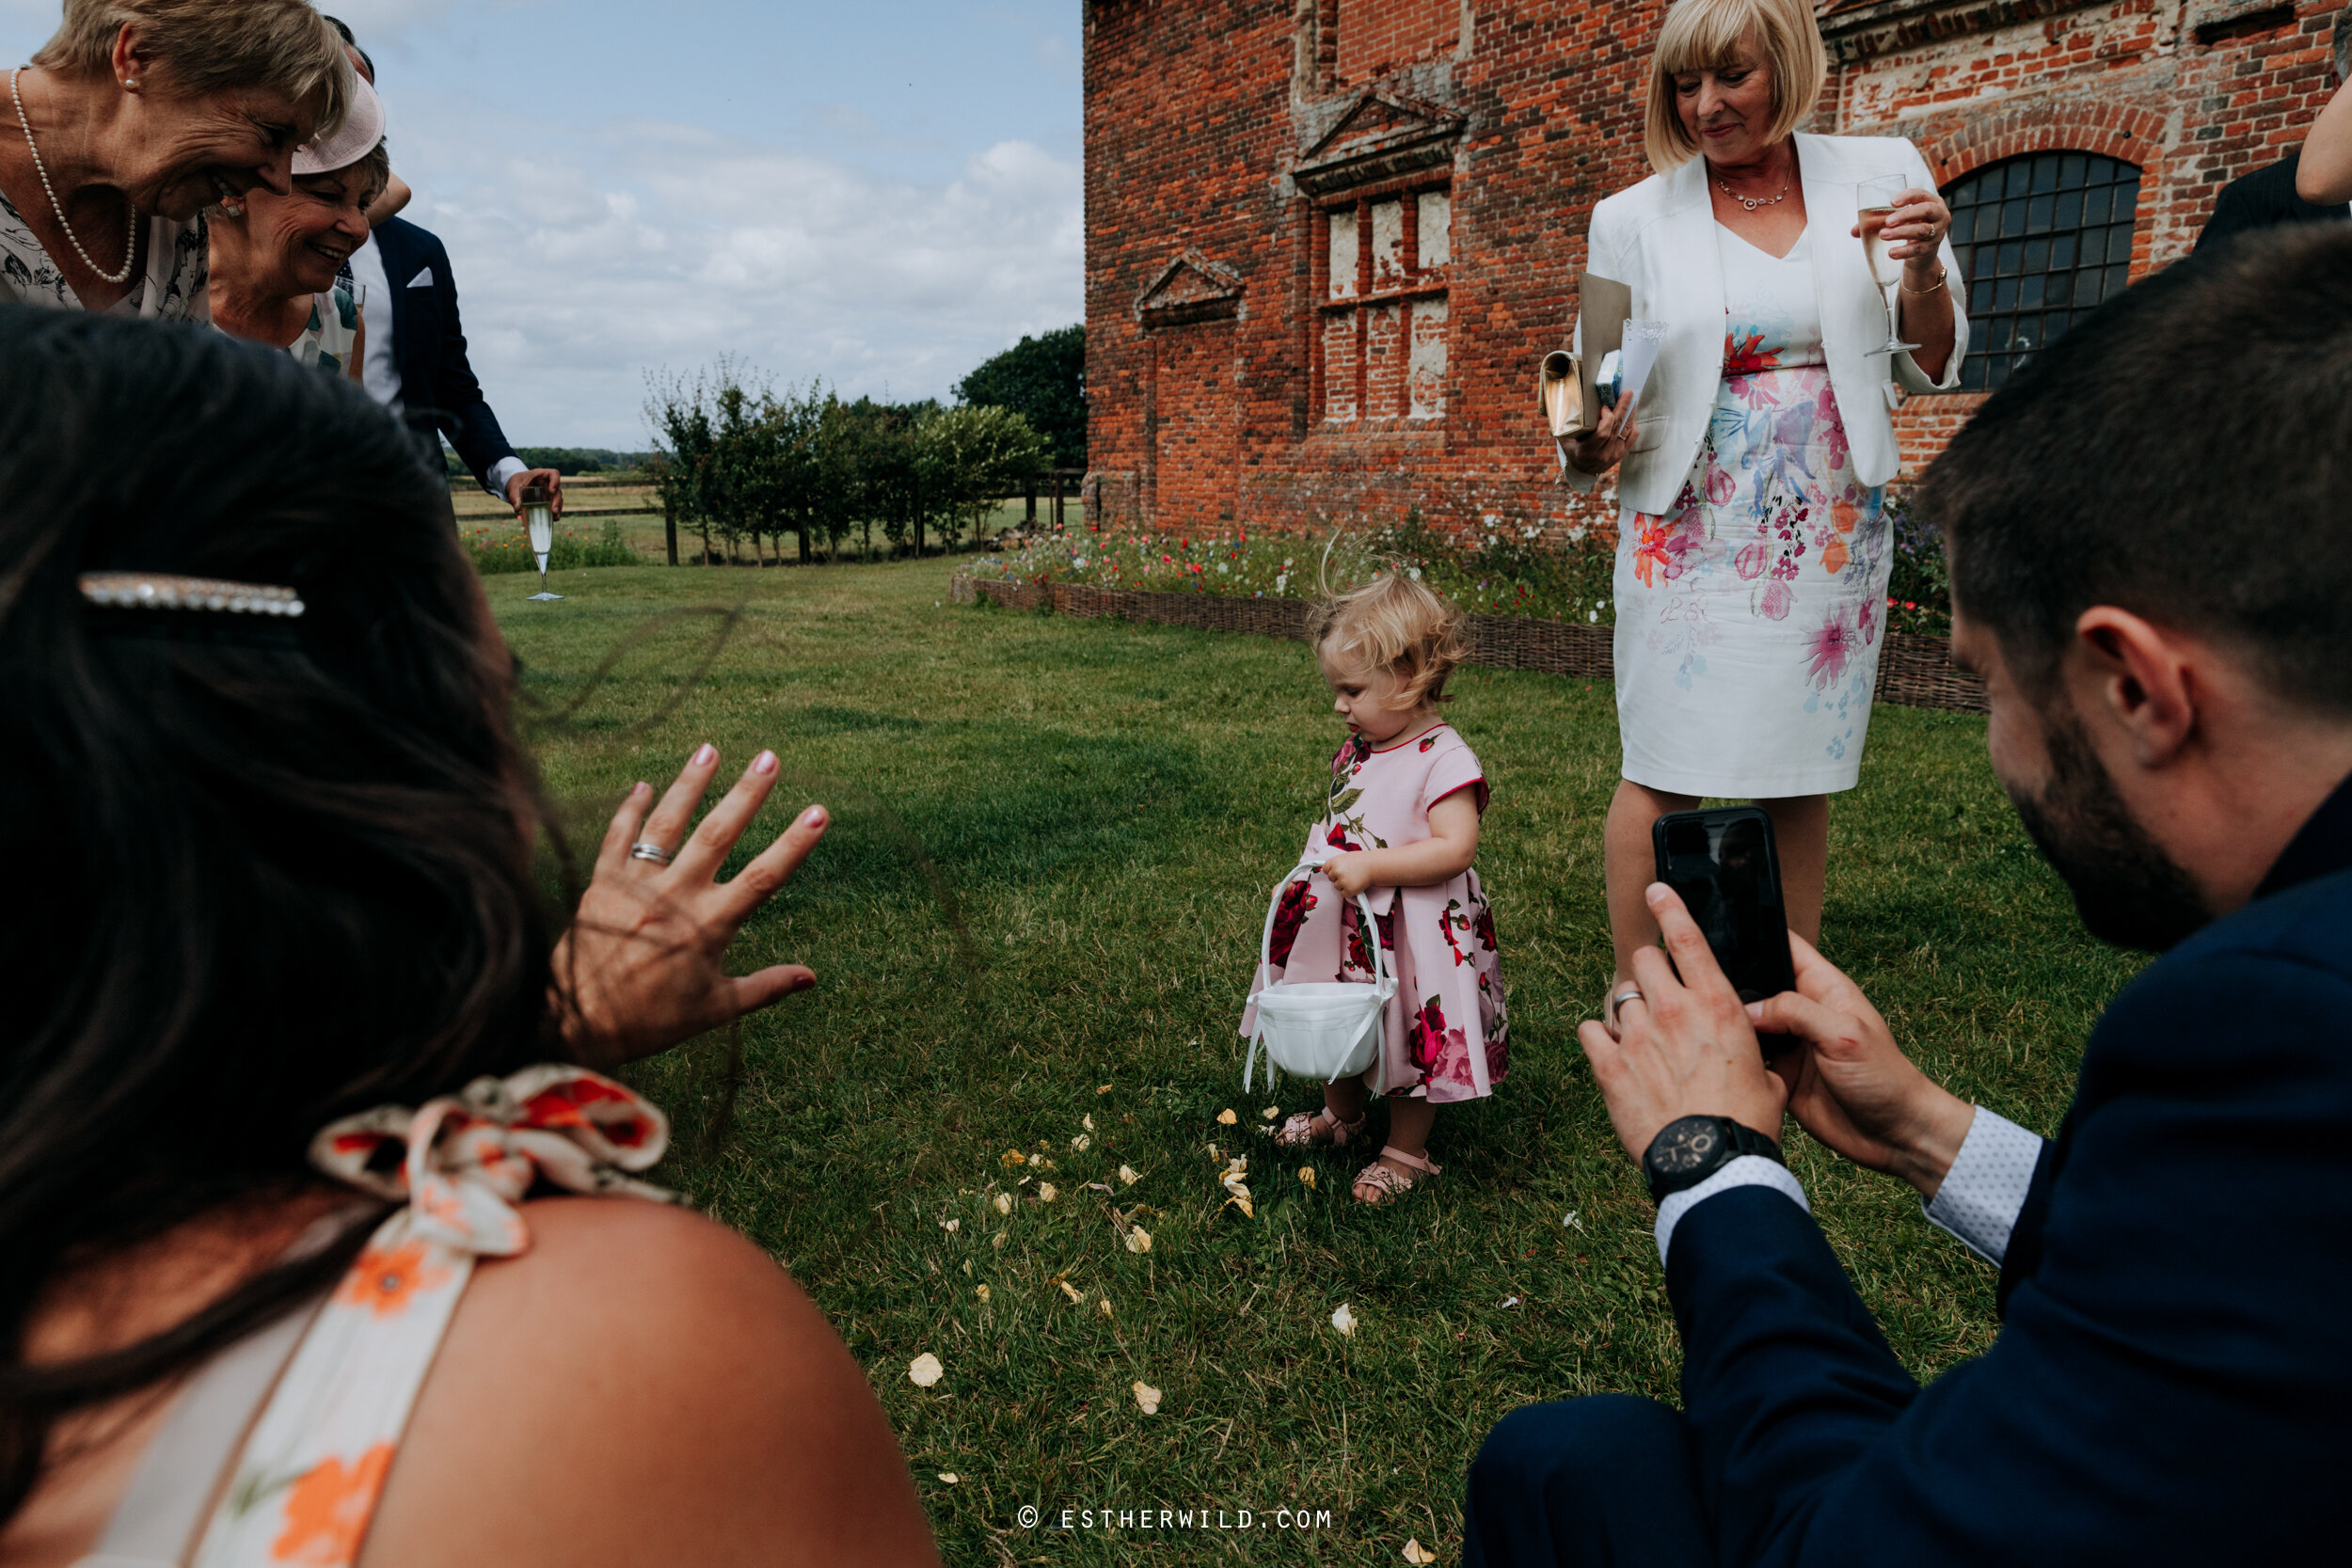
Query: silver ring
1616,1003
654,852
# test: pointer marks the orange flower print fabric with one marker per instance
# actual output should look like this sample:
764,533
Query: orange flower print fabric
1749,613
305,1487
1446,1035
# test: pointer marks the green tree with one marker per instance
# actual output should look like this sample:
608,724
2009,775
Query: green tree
678,412
1044,381
973,457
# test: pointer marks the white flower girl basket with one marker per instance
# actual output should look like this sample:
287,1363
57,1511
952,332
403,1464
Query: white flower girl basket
1327,1029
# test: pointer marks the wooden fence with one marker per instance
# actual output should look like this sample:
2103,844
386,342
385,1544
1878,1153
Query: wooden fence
1915,670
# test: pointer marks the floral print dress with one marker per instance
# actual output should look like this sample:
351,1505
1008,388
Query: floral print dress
1749,616
1446,1035
304,1487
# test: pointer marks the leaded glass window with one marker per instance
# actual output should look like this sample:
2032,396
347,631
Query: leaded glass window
2042,240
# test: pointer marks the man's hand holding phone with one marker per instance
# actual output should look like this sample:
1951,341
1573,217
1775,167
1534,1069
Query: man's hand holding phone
1851,1085
1686,1046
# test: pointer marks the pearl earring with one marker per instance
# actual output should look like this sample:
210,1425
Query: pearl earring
131,84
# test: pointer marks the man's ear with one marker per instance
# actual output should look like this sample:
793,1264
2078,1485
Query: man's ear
2138,679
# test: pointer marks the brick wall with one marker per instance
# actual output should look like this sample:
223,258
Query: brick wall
1229,141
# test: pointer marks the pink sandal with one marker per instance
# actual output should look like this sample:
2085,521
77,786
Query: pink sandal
1387,1180
1299,1131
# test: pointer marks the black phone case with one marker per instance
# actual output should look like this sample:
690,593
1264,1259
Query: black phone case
1782,976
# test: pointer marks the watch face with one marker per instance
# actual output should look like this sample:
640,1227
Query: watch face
1686,1146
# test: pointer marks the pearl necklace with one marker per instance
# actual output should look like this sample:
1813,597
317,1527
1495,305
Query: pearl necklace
130,250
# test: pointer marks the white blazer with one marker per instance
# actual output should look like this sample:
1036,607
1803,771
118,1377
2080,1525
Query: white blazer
1659,237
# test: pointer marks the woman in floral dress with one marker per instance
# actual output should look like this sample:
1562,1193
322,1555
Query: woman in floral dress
1753,556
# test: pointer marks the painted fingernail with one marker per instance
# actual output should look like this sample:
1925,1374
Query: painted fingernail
764,763
706,755
813,818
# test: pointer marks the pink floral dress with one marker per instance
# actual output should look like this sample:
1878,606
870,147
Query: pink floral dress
1446,1036
1749,615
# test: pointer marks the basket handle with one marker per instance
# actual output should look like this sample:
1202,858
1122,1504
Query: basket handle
1384,973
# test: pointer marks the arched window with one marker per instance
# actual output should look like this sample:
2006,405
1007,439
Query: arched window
2042,240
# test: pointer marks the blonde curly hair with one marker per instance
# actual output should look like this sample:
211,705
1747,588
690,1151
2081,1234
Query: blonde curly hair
1394,626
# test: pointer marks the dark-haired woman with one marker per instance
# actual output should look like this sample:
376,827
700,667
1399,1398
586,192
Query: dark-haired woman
290,1277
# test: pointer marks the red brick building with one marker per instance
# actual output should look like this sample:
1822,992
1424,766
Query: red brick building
1327,240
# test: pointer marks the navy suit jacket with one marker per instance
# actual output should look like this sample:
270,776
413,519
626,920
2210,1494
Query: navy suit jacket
2172,1383
438,389
2265,199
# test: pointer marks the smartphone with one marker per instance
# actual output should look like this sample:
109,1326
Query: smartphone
1724,864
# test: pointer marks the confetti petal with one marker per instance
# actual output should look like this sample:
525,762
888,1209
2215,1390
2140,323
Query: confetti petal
1129,1176
1105,1089
1226,1118
1087,1122
1343,1320
1078,1143
1510,1301
1047,1191
950,1476
1417,1555
1147,1398
1271,1111
981,1291
1071,1291
951,1226
925,1369
1307,1175
1014,1157
1004,1203
1139,1238
997,1240
1106,1307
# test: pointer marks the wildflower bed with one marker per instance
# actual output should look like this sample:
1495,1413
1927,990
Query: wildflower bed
1053,845
1498,569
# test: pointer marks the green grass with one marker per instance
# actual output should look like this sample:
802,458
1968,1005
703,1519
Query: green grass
1104,806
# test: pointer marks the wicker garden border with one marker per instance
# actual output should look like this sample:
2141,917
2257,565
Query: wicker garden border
1913,669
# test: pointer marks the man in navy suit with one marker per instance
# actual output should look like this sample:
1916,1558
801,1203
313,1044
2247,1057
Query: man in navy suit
417,368
2152,558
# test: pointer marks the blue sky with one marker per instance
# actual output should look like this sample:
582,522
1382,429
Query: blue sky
879,194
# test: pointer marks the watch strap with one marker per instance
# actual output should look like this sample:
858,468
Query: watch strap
1738,1139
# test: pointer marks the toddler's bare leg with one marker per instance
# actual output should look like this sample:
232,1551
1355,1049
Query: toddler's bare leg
1345,1100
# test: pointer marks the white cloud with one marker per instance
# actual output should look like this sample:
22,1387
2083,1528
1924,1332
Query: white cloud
649,244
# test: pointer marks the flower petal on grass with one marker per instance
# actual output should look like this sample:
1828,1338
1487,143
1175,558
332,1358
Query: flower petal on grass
1078,1143
1004,1203
997,1240
1106,1307
1129,1176
1014,1157
1343,1320
1307,1175
1105,1089
1271,1111
1419,1555
1047,1191
1071,1291
1087,1122
1226,1118
951,1226
1139,1238
981,1291
1147,1398
950,1476
925,1369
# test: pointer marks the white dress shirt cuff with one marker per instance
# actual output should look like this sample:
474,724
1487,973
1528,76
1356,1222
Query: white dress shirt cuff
1986,1187
500,471
1749,1170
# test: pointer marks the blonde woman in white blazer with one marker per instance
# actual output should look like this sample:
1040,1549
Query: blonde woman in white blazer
1753,557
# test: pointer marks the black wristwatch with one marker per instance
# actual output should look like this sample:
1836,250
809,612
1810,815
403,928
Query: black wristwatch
1686,1152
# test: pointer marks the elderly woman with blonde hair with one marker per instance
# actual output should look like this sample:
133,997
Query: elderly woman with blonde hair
1753,558
134,117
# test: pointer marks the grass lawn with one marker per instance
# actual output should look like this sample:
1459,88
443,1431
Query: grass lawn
1053,845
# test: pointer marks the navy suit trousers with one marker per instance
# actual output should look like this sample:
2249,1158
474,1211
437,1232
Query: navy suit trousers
1599,1482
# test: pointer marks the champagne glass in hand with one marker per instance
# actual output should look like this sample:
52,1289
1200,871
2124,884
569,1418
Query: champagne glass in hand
1880,199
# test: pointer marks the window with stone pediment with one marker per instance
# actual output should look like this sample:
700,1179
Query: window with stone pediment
1388,264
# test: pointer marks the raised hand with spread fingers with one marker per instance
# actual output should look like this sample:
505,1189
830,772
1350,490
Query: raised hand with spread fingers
642,967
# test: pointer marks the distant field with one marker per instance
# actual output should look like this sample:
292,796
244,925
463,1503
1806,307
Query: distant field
592,498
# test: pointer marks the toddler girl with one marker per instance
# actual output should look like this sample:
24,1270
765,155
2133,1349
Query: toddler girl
1400,822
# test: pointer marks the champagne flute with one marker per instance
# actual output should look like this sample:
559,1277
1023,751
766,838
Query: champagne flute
539,520
1878,200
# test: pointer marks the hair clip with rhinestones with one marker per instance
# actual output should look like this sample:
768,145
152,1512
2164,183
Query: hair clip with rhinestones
150,591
